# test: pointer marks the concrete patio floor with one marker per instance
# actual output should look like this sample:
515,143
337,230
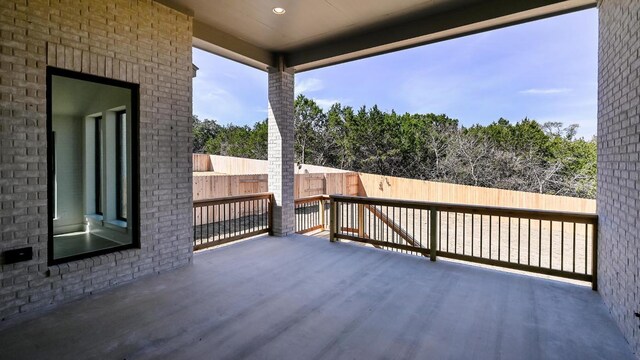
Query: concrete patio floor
303,297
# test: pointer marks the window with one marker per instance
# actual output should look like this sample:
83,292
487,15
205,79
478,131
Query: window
92,165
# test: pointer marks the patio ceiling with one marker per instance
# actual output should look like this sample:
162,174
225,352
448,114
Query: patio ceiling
316,33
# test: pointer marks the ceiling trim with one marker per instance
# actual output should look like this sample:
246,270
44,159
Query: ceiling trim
210,39
483,16
171,4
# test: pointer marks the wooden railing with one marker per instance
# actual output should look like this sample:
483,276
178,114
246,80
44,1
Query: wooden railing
547,242
311,213
222,220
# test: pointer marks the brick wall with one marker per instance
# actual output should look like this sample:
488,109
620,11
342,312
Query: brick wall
281,151
136,41
619,163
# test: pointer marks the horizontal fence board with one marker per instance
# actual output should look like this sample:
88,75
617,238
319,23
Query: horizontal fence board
379,186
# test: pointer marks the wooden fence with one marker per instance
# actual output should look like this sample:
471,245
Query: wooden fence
317,182
240,166
211,186
419,190
201,163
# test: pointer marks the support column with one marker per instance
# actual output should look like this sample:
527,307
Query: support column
281,148
618,199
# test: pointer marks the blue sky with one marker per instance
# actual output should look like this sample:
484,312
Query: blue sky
545,70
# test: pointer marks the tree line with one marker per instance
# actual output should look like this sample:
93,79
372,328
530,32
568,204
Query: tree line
528,156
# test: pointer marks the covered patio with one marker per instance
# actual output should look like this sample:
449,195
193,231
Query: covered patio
302,297
285,296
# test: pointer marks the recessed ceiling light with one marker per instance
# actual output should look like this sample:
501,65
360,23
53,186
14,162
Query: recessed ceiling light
279,11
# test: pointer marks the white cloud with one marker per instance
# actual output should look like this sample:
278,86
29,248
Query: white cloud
549,91
308,85
212,101
326,104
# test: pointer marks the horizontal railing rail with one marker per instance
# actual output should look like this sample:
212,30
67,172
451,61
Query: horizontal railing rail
232,199
311,213
475,209
226,219
547,242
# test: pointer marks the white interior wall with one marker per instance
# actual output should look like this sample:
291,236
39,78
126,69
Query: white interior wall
69,164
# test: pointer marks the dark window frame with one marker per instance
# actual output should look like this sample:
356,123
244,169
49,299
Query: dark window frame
134,198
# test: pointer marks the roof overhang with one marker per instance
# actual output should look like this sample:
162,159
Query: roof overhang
363,37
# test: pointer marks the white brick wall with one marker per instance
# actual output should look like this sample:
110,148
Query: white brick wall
619,163
136,41
281,149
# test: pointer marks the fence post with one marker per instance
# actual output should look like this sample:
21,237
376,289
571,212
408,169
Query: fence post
361,221
332,220
433,236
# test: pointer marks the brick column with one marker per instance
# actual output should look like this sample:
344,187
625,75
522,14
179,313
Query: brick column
619,163
281,149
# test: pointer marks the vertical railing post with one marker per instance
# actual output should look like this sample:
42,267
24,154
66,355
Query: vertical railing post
270,217
332,220
195,224
361,221
321,212
594,257
433,236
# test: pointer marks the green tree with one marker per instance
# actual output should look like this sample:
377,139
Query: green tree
202,132
526,155
310,122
